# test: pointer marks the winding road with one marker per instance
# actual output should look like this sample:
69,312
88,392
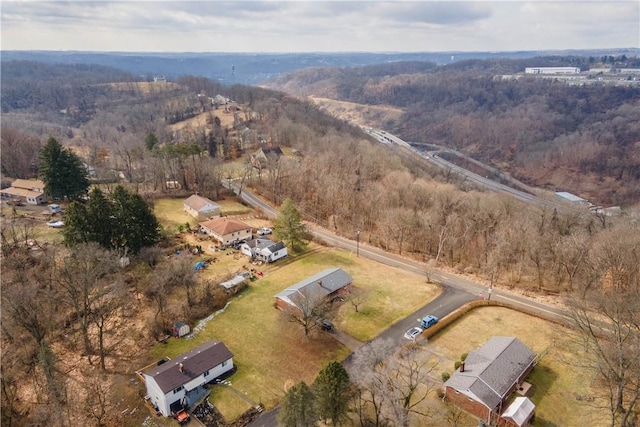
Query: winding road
456,290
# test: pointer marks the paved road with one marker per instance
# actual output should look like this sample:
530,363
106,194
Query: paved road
452,284
456,290
434,158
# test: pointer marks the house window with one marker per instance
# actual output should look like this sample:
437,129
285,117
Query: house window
176,390
206,373
224,363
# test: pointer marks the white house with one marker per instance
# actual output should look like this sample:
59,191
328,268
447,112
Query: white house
252,247
180,382
226,230
200,207
273,252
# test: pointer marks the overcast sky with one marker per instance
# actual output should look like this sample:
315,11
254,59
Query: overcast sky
319,26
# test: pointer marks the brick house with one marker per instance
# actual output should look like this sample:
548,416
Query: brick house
484,383
328,284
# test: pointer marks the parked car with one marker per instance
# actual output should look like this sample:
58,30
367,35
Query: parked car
325,324
264,231
236,245
413,333
56,224
181,416
428,321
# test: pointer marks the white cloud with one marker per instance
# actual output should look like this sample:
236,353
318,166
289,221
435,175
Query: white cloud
278,26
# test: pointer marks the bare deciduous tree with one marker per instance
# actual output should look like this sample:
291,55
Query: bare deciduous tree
107,318
28,302
409,382
19,153
356,297
310,306
365,371
81,281
605,312
392,383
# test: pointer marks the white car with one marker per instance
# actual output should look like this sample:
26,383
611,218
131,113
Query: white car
56,224
413,333
264,231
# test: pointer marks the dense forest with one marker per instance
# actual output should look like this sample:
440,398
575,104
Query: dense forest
577,138
336,175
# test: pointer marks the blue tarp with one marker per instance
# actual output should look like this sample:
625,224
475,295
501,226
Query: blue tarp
200,265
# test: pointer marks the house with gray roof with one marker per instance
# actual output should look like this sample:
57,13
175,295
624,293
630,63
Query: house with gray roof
327,284
273,252
180,382
200,207
252,247
489,375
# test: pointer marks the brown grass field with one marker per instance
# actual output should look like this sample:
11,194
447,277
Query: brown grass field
271,352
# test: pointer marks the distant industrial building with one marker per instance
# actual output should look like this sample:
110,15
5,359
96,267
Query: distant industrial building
629,70
552,70
572,198
626,71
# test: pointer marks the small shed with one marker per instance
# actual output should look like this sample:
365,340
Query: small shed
235,280
180,329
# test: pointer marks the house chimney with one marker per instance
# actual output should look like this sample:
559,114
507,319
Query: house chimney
181,367
462,367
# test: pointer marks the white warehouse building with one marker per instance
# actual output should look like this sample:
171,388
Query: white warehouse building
552,70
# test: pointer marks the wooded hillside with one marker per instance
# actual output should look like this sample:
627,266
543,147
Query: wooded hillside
142,136
582,139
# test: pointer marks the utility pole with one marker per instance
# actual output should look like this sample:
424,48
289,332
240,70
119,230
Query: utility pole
357,243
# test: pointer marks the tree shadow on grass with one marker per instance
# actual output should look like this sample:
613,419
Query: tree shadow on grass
541,378
541,422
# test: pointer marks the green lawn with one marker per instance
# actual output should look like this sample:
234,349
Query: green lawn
271,352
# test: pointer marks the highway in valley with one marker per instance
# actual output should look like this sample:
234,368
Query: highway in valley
434,158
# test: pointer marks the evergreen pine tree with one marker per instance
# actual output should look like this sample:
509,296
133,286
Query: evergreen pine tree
289,227
122,221
298,407
333,393
62,171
